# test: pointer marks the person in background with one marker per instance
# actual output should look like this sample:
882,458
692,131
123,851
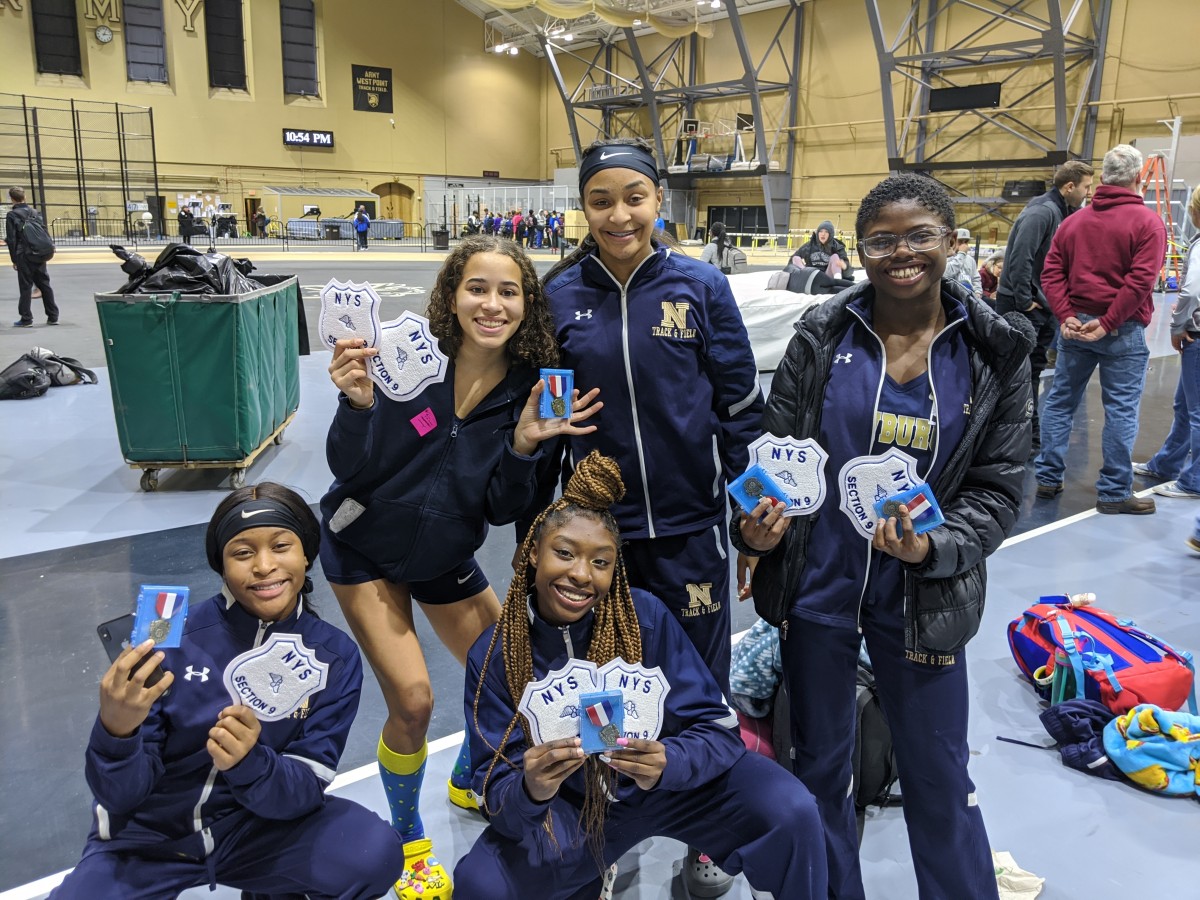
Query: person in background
30,274
960,267
716,251
660,334
824,251
1025,256
1099,280
260,223
559,819
910,365
192,789
417,484
989,275
362,224
1178,460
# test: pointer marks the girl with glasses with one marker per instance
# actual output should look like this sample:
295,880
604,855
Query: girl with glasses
905,379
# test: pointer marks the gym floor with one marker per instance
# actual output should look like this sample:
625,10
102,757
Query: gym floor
79,537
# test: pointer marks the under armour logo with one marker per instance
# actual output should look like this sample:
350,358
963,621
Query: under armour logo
842,357
202,674
580,314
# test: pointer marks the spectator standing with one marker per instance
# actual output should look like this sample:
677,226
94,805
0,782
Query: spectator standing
518,232
989,275
1184,438
30,274
960,267
362,224
1025,255
1098,279
260,223
489,223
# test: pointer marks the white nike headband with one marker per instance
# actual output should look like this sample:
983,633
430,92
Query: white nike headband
617,156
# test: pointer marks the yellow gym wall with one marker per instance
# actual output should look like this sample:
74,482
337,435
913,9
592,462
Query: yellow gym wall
458,110
841,144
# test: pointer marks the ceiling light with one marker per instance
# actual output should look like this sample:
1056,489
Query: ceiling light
513,51
716,4
637,22
568,37
500,48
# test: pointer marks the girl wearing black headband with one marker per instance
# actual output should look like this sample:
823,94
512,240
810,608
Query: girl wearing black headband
661,336
192,788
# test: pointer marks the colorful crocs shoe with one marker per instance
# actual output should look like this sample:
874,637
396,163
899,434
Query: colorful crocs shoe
424,878
462,797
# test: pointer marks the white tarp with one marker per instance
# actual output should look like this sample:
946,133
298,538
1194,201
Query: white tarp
769,315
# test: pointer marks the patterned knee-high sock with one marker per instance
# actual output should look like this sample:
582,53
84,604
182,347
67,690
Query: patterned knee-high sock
402,774
460,775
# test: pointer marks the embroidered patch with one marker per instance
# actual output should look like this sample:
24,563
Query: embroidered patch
424,421
865,480
645,691
551,704
409,358
277,678
349,310
798,467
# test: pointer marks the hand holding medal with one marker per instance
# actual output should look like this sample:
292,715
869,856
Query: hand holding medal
763,506
535,426
904,519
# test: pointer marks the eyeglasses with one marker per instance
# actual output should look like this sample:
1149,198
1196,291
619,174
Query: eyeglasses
878,246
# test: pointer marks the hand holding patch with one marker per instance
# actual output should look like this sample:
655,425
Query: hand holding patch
275,679
798,468
349,310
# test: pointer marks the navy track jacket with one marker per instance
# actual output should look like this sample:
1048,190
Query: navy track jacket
671,357
160,786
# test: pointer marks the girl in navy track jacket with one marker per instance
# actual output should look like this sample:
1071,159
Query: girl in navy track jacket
191,788
559,819
417,483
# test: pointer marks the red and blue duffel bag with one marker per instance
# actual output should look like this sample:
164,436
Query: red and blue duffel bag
1072,652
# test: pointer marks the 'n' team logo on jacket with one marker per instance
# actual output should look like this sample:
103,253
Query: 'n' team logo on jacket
674,322
700,600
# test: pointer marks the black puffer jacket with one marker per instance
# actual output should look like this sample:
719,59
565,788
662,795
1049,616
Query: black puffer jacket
979,490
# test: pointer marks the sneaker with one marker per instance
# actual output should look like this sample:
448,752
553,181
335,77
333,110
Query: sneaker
424,878
21,323
1051,359
1049,491
609,882
462,797
52,321
1172,489
1145,471
1194,543
704,877
1132,506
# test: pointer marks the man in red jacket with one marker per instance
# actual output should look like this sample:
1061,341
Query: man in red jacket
1099,279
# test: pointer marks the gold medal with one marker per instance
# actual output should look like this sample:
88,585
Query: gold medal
559,405
159,629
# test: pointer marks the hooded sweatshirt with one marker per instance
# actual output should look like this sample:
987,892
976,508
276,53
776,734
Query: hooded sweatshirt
1105,259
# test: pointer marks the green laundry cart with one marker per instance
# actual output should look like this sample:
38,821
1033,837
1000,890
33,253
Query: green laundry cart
202,380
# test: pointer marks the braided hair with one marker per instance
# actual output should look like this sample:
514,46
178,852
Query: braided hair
594,487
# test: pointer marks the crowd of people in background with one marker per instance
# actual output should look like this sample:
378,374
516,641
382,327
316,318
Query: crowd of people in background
532,230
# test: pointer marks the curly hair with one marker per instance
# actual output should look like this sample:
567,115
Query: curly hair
533,344
594,487
906,186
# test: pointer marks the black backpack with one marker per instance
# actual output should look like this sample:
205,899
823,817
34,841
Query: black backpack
24,378
39,246
873,762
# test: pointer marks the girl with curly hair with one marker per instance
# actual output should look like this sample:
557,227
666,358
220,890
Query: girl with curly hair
417,484
558,818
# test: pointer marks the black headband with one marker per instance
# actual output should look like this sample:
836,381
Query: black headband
618,156
260,513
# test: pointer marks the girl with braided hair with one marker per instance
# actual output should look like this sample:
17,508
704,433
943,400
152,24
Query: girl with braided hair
558,818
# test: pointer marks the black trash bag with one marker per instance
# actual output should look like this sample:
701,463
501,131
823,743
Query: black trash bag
187,270
24,378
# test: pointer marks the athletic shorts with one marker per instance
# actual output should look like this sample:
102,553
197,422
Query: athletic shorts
343,564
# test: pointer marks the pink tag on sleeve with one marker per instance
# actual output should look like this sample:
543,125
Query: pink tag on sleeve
424,421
